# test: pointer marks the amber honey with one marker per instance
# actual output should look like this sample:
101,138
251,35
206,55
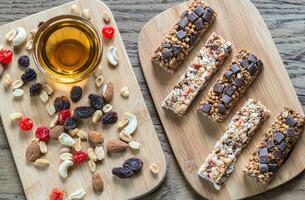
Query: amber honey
67,48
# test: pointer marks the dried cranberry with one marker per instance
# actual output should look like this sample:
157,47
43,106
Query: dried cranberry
24,61
63,116
35,89
43,134
83,112
76,93
134,164
6,56
56,194
122,172
70,123
26,124
110,118
61,103
108,32
28,75
79,157
96,101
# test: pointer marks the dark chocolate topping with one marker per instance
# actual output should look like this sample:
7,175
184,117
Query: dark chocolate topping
228,74
230,90
263,159
278,137
290,132
183,23
263,151
263,168
199,10
226,99
282,145
167,53
235,69
198,24
270,144
192,17
222,109
238,82
181,35
218,88
206,108
290,121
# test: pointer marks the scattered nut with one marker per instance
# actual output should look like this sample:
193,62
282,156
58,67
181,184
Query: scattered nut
11,35
82,135
80,194
20,38
99,152
92,166
18,93
106,18
154,168
92,155
51,109
32,152
86,13
131,127
33,33
15,116
112,56
124,92
54,121
78,144
97,116
122,123
44,96
116,146
41,163
73,132
64,150
98,71
134,145
56,131
43,147
66,140
97,182
29,45
75,9
99,80
125,137
64,167
95,137
48,89
7,81
107,108
107,91
66,156
17,84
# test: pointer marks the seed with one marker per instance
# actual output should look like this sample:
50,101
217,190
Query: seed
17,84
51,109
33,33
106,18
78,144
99,80
107,108
15,116
54,121
86,13
82,135
43,147
64,150
29,45
41,163
7,81
154,168
66,156
44,96
92,155
92,166
18,93
124,92
99,152
98,71
73,132
48,89
125,137
97,116
122,124
134,145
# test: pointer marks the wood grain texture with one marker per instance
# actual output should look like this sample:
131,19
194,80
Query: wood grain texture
285,20
38,183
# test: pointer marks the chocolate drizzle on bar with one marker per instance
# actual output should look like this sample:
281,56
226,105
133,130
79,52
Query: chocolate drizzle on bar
276,145
191,26
232,84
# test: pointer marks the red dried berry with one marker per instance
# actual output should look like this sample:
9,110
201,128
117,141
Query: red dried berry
26,124
108,32
56,194
42,133
63,116
6,56
79,157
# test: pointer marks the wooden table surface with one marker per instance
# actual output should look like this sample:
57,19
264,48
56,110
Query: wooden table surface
284,18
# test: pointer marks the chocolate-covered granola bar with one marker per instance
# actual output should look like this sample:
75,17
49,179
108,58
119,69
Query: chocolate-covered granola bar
231,85
184,35
275,146
202,68
220,163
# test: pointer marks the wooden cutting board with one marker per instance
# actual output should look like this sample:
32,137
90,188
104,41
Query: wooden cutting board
193,136
37,184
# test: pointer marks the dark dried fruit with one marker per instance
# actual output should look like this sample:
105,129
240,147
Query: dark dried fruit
134,164
70,123
83,112
110,118
61,103
96,101
28,75
24,61
76,93
122,172
35,89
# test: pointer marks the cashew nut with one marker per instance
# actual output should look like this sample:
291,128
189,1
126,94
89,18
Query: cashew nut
11,35
112,56
20,38
77,195
64,167
131,127
66,140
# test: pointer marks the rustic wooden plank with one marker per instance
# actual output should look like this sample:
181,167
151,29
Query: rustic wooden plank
285,20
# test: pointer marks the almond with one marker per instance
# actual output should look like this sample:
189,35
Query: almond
107,92
41,163
32,153
97,182
115,146
95,137
56,131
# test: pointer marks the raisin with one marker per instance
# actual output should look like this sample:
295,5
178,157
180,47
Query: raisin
83,112
110,118
61,103
134,164
24,61
122,172
76,93
35,89
28,75
70,123
96,101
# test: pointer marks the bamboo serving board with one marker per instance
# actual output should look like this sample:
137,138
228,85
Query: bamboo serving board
193,136
38,184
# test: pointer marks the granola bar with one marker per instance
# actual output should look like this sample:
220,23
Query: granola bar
184,35
231,85
205,64
275,146
220,163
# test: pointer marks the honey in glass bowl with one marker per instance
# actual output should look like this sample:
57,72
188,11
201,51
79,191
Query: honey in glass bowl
67,48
